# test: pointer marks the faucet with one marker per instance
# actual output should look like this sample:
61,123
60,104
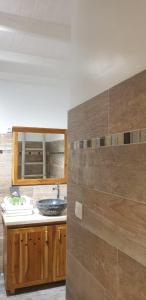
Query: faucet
58,190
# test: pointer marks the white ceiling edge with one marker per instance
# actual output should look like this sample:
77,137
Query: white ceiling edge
85,89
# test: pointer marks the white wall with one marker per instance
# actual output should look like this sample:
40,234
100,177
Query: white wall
30,105
108,44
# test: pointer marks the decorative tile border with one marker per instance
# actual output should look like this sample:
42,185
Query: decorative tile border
115,139
5,151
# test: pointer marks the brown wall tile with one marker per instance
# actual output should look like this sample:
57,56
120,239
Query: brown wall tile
89,120
127,104
132,279
119,221
116,236
80,282
117,170
97,257
110,184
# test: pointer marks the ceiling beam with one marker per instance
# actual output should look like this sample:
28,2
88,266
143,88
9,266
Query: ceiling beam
32,26
16,57
29,79
24,68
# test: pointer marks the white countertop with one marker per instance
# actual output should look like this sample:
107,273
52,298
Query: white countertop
32,219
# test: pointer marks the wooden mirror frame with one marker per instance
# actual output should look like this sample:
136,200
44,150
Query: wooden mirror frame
15,180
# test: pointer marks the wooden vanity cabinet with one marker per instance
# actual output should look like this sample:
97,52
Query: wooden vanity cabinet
59,261
34,255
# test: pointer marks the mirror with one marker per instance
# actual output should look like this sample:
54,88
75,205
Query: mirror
39,155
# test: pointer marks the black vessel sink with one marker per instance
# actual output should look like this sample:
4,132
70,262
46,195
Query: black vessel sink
51,207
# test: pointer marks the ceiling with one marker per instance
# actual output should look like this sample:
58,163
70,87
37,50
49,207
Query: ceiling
91,44
34,40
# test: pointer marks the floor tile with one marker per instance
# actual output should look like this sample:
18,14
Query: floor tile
51,293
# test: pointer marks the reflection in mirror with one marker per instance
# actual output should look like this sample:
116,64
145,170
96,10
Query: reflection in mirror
41,155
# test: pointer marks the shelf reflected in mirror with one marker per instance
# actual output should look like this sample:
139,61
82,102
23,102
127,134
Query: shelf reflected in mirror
39,155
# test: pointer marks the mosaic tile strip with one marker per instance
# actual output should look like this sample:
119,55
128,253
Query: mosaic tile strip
115,139
3,151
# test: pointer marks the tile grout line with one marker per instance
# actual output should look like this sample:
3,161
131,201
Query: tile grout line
108,117
110,194
117,273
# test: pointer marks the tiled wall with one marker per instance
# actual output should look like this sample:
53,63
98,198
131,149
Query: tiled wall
36,192
107,248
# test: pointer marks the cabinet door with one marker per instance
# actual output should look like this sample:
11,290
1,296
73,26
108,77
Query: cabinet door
29,259
59,255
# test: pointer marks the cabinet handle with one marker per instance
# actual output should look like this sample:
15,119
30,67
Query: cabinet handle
26,244
60,236
47,242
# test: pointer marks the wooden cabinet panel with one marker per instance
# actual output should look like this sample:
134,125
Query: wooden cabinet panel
48,255
35,255
59,253
29,256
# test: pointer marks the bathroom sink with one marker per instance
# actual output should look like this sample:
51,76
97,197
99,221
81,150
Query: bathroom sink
51,207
